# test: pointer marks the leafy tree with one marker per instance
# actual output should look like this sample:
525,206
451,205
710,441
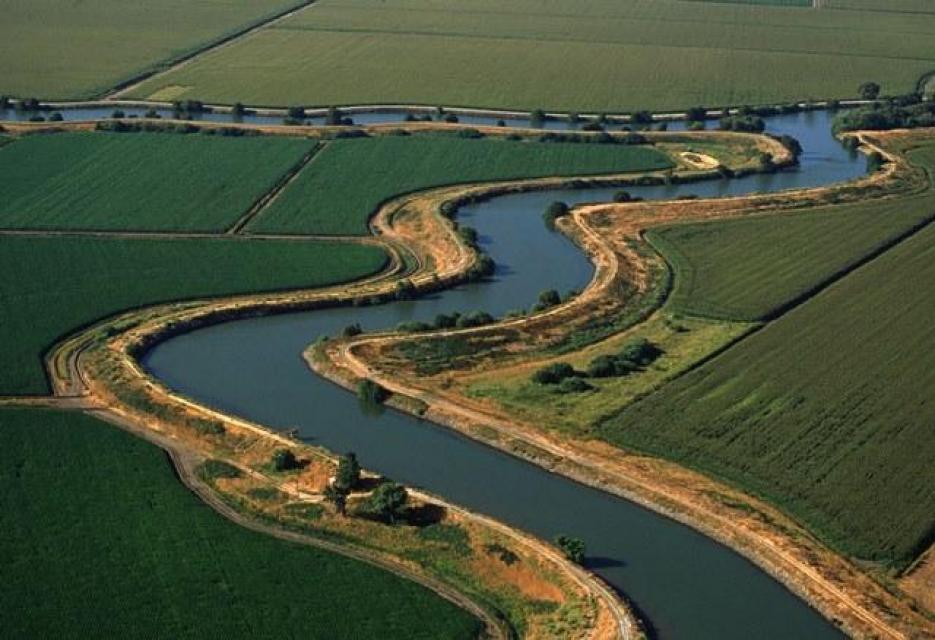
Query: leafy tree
549,298
352,330
334,117
405,290
869,90
238,110
388,501
553,373
641,117
445,321
474,319
296,113
573,548
372,392
875,160
537,118
284,460
117,114
56,117
574,118
4,103
554,211
623,196
696,114
337,497
574,385
348,474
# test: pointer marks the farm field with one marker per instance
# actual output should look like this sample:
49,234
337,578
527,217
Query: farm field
62,283
746,269
99,536
118,181
344,185
824,412
52,49
526,54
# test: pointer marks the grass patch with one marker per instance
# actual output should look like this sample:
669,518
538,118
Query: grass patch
825,412
53,49
602,55
349,179
99,535
139,181
52,286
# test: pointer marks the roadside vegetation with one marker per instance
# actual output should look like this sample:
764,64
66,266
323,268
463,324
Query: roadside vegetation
344,185
138,181
98,534
537,55
60,284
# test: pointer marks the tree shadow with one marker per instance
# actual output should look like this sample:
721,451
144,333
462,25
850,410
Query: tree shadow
601,562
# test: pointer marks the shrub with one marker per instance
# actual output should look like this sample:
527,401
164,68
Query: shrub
371,392
506,556
754,124
641,117
445,321
573,548
869,90
352,330
554,211
284,460
696,114
296,113
553,373
484,267
537,118
574,385
875,160
388,501
347,476
212,469
549,298
405,290
474,319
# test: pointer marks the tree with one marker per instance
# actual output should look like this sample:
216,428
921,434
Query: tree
573,548
549,298
284,460
333,117
405,290
296,113
553,373
869,90
696,114
371,392
337,497
388,501
238,110
555,211
352,330
537,118
348,474
641,117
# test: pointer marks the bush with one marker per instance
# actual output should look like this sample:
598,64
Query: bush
537,118
696,114
574,385
405,290
296,113
752,124
632,357
641,117
212,469
474,319
388,501
573,548
484,267
875,160
56,117
869,90
347,476
284,460
117,114
549,298
371,392
352,330
553,373
445,321
555,211
622,196
450,118
413,327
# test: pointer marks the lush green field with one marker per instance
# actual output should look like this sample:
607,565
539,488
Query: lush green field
53,286
602,55
138,181
345,184
99,538
54,49
750,269
826,412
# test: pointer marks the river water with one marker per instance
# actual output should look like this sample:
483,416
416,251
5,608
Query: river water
684,584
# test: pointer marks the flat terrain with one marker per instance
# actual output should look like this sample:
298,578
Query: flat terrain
52,286
54,49
825,411
99,537
138,181
600,55
346,182
749,269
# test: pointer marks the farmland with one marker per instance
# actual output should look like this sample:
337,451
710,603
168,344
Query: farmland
527,54
744,269
91,510
54,49
117,181
824,411
331,196
61,284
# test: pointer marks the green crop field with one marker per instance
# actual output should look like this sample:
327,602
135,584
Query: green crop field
826,410
54,49
602,55
138,181
750,269
99,538
52,286
345,184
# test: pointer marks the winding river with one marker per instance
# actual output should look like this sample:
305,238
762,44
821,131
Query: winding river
684,584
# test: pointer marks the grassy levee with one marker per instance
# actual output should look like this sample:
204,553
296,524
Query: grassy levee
58,50
100,538
139,181
825,412
52,286
344,185
744,270
602,55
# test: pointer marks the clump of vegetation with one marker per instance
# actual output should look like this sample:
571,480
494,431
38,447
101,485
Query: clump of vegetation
554,373
387,502
574,384
505,556
213,469
451,535
347,476
634,356
284,460
474,319
352,330
372,392
554,211
405,290
906,112
573,548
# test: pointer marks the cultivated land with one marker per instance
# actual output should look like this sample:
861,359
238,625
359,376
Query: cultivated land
100,537
344,185
54,49
606,55
51,286
139,181
744,269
